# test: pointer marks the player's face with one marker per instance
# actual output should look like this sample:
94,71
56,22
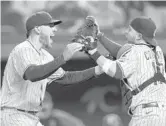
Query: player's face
46,35
131,34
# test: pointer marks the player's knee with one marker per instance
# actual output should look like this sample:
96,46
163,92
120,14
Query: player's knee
112,120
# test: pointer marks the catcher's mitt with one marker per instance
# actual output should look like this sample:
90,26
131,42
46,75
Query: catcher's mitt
87,33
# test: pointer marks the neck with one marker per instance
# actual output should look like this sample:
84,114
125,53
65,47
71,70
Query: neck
35,41
140,41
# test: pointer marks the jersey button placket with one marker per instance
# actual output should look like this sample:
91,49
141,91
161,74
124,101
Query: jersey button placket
40,96
41,87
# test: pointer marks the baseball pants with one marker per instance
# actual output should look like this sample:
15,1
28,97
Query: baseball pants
12,117
152,116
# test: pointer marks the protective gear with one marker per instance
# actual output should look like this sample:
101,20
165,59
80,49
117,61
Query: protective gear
90,44
125,92
87,34
125,48
89,28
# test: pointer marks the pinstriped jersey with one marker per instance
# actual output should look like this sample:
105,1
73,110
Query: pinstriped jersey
138,64
20,93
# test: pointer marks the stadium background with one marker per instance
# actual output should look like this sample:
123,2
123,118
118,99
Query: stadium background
112,17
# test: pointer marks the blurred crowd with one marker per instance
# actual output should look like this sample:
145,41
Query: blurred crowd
52,116
109,14
112,17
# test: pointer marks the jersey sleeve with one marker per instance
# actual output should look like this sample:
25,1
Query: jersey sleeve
127,63
56,75
24,58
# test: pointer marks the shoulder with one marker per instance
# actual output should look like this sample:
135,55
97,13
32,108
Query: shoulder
158,48
143,50
125,49
23,44
23,47
131,50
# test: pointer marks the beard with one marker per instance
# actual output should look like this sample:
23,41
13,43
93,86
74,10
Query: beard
45,40
130,39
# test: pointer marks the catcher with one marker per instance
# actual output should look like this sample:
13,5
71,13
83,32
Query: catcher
142,69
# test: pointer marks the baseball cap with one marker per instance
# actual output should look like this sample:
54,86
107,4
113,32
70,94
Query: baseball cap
40,18
146,27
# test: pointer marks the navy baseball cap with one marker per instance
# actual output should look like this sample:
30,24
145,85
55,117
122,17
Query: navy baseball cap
40,18
146,27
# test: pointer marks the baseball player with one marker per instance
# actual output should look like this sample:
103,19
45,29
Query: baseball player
30,68
142,68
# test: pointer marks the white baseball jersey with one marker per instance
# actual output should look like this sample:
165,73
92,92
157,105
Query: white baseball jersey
138,65
20,93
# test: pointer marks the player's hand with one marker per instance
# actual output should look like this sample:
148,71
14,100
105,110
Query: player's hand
71,49
90,45
99,33
97,26
98,70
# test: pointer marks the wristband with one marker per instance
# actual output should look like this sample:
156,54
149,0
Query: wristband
91,52
95,56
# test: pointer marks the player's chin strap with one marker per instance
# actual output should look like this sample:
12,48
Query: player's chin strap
158,76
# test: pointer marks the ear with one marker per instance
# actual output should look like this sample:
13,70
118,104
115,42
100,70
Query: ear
37,30
139,36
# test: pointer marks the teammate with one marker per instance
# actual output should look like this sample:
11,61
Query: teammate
30,68
142,69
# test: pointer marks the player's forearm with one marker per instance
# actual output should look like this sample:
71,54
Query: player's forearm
40,72
109,67
111,46
77,76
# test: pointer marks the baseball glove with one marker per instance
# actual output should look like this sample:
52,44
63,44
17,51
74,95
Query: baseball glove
87,34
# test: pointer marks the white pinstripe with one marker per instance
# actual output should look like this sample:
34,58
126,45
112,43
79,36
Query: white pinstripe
21,94
11,117
137,67
149,117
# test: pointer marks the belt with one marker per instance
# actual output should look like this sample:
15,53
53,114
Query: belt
152,104
145,105
30,112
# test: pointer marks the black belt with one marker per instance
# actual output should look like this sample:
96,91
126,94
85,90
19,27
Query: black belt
145,105
30,112
152,104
